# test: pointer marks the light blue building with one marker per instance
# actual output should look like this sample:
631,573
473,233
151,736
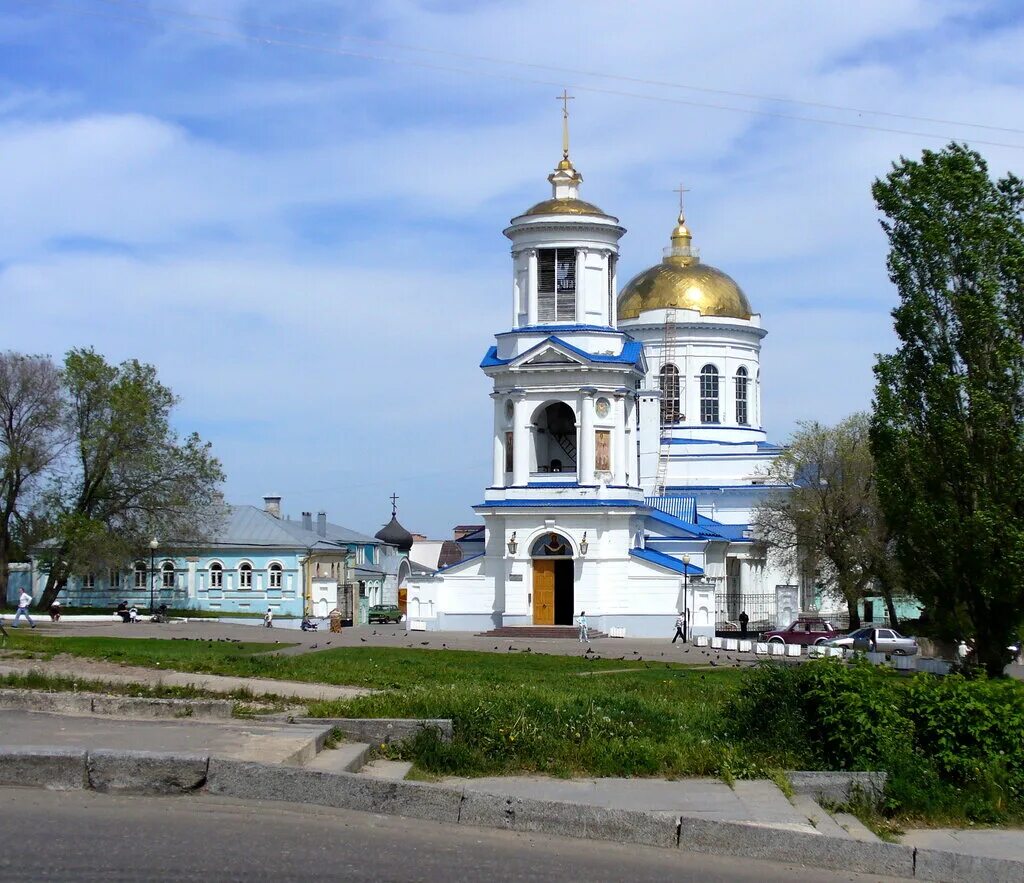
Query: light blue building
256,560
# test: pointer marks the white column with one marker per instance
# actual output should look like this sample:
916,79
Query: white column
498,467
630,453
613,319
619,441
191,577
581,294
521,442
586,453
744,578
531,292
516,294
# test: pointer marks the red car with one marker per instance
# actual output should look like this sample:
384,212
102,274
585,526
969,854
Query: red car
803,631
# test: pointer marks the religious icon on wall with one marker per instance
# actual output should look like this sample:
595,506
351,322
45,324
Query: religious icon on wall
508,451
603,450
555,545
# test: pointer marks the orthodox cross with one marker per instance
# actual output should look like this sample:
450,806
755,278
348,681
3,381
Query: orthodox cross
565,98
394,504
681,190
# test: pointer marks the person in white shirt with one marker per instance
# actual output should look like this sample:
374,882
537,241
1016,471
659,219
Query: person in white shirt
268,618
582,623
680,628
24,602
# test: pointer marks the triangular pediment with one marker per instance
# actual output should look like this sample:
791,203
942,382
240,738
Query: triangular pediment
550,356
550,353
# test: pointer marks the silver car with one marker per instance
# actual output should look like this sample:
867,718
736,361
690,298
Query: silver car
877,641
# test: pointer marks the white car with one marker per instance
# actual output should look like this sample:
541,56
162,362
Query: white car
877,641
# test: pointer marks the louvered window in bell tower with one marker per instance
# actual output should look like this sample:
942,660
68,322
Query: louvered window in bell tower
556,285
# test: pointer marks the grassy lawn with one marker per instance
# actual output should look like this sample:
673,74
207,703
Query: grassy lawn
511,713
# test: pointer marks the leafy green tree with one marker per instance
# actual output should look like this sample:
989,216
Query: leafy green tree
128,477
32,437
828,523
947,430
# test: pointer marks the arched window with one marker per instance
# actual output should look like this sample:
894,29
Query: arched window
167,575
668,380
275,575
709,394
742,385
140,574
245,575
216,575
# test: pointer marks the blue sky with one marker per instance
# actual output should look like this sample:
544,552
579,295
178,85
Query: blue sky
308,244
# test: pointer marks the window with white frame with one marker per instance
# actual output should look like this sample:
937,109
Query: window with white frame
140,574
709,394
276,572
89,581
167,575
115,579
216,575
668,380
245,575
742,385
556,285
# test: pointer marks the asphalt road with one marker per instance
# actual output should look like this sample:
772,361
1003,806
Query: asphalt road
85,836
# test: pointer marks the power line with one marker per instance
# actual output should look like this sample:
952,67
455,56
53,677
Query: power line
564,70
366,56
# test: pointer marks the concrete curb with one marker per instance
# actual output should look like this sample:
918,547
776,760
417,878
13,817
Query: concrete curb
67,702
141,772
836,786
146,772
56,769
383,730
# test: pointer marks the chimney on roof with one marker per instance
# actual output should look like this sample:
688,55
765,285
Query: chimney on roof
321,523
272,505
307,520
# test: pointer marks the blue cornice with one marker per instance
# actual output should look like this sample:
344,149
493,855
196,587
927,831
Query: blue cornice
651,556
548,329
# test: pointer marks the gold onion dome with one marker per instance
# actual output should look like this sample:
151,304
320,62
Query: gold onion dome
564,207
682,282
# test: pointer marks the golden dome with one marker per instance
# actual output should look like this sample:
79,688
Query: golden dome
681,281
565,207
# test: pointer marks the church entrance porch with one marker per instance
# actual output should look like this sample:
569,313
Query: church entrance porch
553,581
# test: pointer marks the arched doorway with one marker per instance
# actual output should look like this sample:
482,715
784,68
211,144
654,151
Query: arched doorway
554,438
553,580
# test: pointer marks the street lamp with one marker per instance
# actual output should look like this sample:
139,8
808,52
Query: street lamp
153,543
512,544
584,545
686,597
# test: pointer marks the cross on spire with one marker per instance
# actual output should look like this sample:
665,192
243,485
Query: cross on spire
681,190
565,98
394,504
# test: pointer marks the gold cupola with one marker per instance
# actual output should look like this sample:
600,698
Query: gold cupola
682,282
565,182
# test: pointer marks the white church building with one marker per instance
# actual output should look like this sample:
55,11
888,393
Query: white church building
628,446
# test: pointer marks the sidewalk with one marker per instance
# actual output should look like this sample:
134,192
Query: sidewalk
109,673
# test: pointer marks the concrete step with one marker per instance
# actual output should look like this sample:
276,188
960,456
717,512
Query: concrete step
822,821
856,828
348,757
386,769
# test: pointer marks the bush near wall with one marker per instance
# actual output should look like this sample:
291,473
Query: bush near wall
954,748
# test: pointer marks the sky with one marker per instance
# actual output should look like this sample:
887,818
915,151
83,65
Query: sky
294,208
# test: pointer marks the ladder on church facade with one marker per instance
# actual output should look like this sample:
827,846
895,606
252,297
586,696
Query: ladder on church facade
668,357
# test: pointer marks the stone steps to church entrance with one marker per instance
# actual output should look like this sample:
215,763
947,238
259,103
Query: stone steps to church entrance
539,631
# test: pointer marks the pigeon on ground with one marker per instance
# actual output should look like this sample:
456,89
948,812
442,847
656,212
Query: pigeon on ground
424,643
713,663
327,643
495,646
313,646
363,640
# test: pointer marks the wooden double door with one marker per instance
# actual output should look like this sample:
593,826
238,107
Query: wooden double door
553,591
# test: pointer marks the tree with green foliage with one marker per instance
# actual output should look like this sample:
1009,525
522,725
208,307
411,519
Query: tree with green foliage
128,476
827,523
32,437
948,426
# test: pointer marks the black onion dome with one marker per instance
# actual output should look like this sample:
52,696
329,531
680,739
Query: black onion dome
395,535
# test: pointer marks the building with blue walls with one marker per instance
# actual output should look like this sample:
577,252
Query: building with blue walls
255,559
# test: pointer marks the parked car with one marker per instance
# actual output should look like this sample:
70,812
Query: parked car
385,613
877,641
803,631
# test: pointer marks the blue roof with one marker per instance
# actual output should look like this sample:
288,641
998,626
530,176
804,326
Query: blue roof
460,563
566,503
666,561
632,353
694,530
683,508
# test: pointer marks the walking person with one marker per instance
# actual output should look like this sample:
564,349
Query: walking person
24,602
744,619
680,628
582,623
268,618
